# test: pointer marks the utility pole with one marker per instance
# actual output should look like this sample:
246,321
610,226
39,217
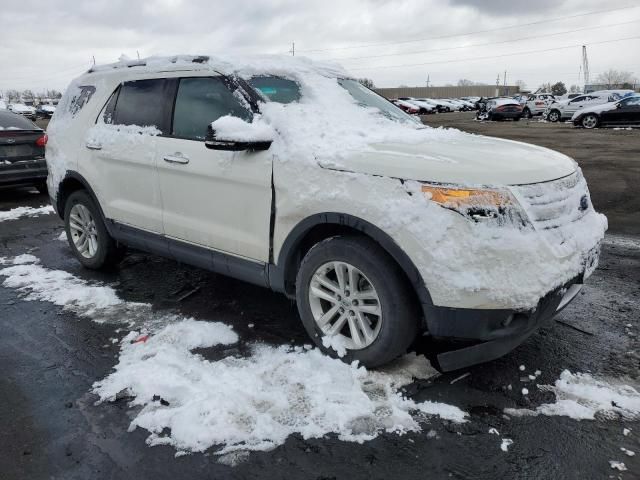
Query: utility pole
428,80
585,66
498,85
293,49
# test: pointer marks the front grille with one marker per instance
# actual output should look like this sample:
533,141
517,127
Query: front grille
552,207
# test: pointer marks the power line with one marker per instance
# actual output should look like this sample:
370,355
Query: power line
547,20
535,37
493,56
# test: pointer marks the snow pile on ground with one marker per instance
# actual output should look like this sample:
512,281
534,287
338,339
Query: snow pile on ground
235,403
234,129
582,397
18,212
255,403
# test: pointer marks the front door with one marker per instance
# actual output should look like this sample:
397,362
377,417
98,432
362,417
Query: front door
216,199
626,113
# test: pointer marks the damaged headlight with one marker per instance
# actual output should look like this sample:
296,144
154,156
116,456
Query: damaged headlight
478,204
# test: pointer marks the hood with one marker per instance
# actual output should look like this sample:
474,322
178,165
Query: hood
596,108
471,160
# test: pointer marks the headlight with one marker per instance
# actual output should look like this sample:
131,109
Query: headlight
478,204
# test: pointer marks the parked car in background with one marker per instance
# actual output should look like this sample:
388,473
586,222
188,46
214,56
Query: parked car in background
424,107
379,228
536,104
564,110
45,111
22,109
621,113
436,104
469,105
22,145
501,109
3,105
406,106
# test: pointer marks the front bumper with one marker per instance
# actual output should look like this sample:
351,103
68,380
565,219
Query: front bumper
490,334
29,172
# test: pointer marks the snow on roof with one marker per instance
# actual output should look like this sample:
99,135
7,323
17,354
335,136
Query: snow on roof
243,65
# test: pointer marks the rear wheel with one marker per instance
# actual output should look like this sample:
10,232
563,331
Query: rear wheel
590,120
87,235
354,301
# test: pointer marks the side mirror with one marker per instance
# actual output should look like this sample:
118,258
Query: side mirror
234,134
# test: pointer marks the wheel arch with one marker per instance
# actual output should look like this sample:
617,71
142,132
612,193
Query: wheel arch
73,182
320,226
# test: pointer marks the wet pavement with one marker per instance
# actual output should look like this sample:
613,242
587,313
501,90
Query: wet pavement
51,427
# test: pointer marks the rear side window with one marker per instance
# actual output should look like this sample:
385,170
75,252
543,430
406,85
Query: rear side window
81,98
201,101
142,102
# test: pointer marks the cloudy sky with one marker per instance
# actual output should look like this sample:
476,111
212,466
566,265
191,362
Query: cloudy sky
45,44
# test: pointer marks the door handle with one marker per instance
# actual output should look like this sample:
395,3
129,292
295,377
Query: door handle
94,146
177,158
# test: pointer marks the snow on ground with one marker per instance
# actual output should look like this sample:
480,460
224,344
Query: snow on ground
582,397
233,404
18,212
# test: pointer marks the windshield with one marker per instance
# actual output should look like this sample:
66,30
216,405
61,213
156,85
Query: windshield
368,98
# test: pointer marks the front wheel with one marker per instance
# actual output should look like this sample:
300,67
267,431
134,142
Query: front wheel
526,113
554,116
590,121
87,235
354,301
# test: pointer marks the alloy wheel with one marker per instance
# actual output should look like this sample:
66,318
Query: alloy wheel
345,303
84,233
590,121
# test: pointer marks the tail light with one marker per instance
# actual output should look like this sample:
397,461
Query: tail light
42,141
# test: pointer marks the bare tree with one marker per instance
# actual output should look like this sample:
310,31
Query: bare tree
464,82
521,85
367,82
614,78
574,89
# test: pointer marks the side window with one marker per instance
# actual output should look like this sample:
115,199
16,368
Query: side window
276,89
203,100
110,108
144,103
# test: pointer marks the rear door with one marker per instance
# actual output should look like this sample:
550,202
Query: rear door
212,198
123,148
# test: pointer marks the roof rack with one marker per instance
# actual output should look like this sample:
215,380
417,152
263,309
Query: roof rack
143,62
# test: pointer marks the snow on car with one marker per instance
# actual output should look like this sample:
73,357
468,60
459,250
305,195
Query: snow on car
536,104
23,109
500,109
379,227
564,110
621,113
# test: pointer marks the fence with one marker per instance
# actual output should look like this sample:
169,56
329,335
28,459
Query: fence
448,92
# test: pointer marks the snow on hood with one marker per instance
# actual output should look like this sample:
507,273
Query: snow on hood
603,107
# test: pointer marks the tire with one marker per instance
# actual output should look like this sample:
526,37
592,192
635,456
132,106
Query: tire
516,119
590,120
102,250
526,113
391,333
490,117
554,116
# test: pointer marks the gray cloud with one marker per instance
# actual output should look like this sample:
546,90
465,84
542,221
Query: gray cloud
45,44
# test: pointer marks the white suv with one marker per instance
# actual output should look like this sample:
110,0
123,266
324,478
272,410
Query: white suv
536,104
291,175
